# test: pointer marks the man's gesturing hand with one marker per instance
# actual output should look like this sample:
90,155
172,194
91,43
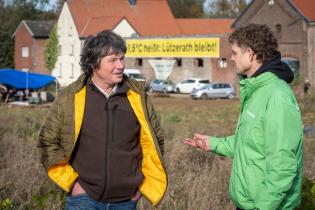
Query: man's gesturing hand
198,141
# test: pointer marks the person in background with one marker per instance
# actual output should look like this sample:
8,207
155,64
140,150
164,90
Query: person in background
267,147
3,92
102,142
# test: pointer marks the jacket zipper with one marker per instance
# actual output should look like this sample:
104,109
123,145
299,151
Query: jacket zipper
106,148
113,121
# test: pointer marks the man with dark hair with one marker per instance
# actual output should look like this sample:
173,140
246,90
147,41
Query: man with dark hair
102,141
267,147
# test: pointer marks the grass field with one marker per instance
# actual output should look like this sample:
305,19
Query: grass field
197,180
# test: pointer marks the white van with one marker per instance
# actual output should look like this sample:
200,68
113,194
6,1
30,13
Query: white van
134,74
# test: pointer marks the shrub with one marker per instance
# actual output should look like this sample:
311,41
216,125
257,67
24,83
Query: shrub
308,195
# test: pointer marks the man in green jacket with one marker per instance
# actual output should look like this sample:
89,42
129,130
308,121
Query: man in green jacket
102,142
267,148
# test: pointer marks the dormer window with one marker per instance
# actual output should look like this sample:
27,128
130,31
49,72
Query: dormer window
132,2
271,2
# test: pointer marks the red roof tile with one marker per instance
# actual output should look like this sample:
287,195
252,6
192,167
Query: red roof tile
204,26
97,24
306,8
148,17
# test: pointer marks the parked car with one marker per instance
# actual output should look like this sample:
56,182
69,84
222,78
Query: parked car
134,74
214,90
188,85
160,85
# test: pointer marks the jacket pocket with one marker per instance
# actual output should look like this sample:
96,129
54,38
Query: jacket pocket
253,180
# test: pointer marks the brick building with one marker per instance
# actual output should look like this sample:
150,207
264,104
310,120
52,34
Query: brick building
141,19
30,41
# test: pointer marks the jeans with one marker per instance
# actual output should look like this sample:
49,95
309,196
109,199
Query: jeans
84,202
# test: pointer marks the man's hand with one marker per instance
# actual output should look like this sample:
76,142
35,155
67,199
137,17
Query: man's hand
137,196
198,141
77,189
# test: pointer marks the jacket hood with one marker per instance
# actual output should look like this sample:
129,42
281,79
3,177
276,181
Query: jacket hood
278,67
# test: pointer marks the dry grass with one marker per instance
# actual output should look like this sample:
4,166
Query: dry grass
197,180
22,177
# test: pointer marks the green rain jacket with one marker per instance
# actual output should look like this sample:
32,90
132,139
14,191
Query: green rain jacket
267,148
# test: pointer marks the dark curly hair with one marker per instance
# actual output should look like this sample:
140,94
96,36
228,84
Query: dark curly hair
257,37
96,47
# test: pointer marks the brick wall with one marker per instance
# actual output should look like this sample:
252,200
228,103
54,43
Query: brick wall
224,74
35,62
39,51
23,38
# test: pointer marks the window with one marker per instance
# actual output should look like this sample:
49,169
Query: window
187,81
59,50
278,29
70,31
204,81
226,86
271,2
72,70
138,61
60,70
71,50
178,62
132,2
222,63
294,65
215,86
25,52
199,62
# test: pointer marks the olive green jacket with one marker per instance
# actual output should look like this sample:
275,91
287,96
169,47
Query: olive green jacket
61,129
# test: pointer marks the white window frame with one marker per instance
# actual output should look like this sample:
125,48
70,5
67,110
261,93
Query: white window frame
25,51
222,63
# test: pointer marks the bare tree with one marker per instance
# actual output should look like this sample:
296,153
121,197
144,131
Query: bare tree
224,8
186,8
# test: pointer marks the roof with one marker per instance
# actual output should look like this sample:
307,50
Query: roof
148,17
204,26
305,8
96,24
40,29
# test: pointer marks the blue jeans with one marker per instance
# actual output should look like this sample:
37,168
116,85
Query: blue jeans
84,202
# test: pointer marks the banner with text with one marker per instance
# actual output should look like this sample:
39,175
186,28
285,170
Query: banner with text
179,47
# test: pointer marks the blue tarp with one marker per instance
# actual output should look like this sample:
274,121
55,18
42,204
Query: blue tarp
24,80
